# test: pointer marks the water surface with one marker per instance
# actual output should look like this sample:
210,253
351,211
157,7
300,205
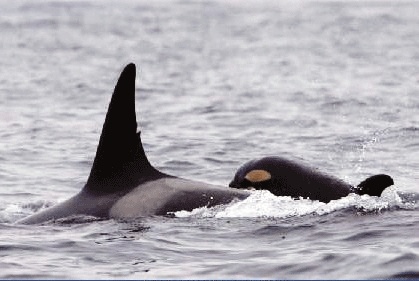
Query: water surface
333,84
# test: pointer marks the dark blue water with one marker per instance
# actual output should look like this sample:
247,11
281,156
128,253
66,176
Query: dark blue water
334,84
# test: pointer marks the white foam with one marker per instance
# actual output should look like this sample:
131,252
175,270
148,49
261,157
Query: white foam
262,203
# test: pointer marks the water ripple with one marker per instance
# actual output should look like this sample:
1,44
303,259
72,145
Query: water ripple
219,83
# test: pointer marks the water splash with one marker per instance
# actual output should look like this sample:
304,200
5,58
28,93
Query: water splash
262,203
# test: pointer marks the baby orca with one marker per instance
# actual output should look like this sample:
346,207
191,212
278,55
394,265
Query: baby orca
284,177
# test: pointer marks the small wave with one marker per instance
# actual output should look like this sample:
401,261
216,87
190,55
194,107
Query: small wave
15,211
76,219
262,203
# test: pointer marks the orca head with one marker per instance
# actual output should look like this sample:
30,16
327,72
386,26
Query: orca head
256,174
120,163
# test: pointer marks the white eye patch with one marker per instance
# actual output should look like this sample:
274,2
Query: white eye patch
258,176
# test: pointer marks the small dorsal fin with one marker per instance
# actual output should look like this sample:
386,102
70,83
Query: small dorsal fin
374,185
120,161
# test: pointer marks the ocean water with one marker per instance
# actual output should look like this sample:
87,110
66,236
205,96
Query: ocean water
332,83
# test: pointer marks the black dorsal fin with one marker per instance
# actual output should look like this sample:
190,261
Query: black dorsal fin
120,161
374,185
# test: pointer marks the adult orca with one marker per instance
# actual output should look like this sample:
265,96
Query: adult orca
122,183
284,177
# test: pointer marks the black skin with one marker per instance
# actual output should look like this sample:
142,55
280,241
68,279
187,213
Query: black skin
290,178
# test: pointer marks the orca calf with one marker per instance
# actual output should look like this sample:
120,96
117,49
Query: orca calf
122,183
284,177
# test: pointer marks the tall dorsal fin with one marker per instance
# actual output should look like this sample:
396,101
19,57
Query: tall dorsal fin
120,161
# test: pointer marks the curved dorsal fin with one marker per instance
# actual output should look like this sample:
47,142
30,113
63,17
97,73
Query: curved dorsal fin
120,161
